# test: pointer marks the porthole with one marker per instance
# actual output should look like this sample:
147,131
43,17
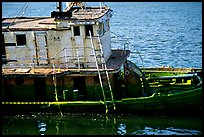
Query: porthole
127,72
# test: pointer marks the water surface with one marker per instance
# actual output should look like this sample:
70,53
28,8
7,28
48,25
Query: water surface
99,124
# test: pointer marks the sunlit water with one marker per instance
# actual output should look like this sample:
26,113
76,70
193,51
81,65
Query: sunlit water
158,34
99,124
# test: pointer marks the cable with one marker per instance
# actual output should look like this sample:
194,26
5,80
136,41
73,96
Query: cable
25,6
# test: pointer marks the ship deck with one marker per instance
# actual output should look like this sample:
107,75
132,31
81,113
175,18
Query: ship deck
116,60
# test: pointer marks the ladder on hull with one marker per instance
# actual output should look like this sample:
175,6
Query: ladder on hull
108,93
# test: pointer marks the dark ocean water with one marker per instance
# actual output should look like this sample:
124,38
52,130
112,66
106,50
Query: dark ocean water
158,34
99,124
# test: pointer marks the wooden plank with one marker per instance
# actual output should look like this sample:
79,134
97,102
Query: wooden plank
8,70
23,70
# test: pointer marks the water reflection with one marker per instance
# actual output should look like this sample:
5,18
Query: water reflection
166,131
42,127
122,129
99,124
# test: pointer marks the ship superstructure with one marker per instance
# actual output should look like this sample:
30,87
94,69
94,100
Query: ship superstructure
68,51
62,39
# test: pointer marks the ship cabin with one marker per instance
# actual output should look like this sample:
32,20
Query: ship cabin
64,53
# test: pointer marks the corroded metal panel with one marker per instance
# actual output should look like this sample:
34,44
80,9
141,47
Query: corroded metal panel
9,37
91,80
22,54
58,43
106,44
41,47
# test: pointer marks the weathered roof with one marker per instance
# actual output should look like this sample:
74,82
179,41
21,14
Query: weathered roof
36,23
43,23
89,13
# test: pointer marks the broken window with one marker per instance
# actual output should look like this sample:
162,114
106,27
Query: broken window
76,31
89,28
21,39
107,25
3,51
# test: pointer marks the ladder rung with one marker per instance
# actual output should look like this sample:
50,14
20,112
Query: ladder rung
101,63
98,50
98,56
109,101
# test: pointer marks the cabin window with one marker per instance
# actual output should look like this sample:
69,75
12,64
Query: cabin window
21,39
101,26
104,27
76,31
107,25
3,51
89,28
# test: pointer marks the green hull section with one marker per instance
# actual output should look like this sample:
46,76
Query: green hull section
187,101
